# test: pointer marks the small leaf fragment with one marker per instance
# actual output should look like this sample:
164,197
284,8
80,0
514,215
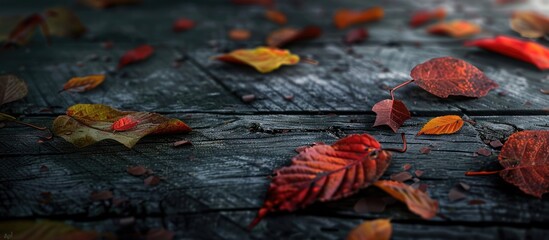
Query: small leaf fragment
63,22
345,17
82,84
442,125
356,36
263,59
137,170
530,24
379,229
417,201
136,55
151,181
392,113
456,29
421,17
276,16
285,36
183,24
12,88
238,34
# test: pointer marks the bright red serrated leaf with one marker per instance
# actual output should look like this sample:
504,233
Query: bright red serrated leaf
447,76
124,124
135,55
285,36
392,113
527,51
182,24
345,17
356,36
525,157
421,17
324,173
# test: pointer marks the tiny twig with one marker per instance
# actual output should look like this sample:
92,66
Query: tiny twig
481,173
29,125
397,87
404,145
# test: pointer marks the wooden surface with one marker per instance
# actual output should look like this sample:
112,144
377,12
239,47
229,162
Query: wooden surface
213,189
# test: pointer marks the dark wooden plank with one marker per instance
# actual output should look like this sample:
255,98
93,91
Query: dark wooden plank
231,157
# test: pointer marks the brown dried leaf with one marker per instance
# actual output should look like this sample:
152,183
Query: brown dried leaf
416,200
12,88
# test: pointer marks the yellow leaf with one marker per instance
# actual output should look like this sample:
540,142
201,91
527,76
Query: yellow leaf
379,229
82,84
456,29
417,201
86,124
44,229
442,125
263,59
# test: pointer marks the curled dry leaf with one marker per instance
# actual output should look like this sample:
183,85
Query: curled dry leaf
530,24
135,55
276,16
284,36
12,88
417,201
86,124
82,84
527,51
263,59
356,36
391,113
345,17
183,24
447,76
525,157
324,173
421,17
380,229
456,29
101,4
45,230
238,34
442,125
63,22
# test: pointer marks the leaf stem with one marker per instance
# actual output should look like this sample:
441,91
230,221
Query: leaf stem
481,173
404,145
29,125
399,86
309,61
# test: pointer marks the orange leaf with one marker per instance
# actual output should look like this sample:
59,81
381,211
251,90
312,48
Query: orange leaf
530,24
456,29
379,229
442,125
276,16
324,173
263,59
86,124
345,17
12,88
417,201
239,34
421,17
82,84
285,36
135,55
527,51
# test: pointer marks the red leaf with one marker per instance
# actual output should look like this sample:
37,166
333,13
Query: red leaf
421,17
527,51
324,173
135,55
285,36
392,113
26,27
447,76
525,157
356,36
125,123
182,24
345,17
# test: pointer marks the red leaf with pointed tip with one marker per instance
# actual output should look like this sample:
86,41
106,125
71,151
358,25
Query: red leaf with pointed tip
135,55
182,24
527,51
286,36
447,76
356,36
525,157
421,17
392,113
124,124
26,27
324,173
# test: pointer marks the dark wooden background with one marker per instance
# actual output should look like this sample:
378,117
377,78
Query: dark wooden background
213,189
